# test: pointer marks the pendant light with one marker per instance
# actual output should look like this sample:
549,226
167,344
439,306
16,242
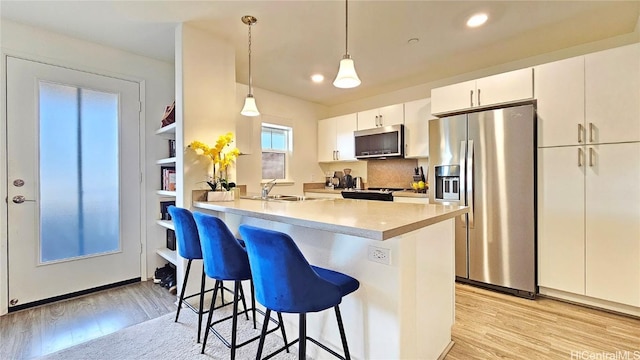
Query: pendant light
347,77
250,108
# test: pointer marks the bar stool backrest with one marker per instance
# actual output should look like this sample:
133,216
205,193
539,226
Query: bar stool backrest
224,257
283,279
186,233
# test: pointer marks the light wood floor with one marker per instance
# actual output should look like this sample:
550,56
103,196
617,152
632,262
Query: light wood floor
489,325
46,329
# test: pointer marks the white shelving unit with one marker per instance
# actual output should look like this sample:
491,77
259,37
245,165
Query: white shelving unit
167,132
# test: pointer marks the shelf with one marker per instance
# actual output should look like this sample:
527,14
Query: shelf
166,223
166,193
169,255
169,129
171,160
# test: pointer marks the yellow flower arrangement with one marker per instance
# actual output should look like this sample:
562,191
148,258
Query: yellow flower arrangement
221,158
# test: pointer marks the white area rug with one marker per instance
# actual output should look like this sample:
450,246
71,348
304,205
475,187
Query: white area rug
162,338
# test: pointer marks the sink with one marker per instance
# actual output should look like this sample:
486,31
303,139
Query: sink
278,197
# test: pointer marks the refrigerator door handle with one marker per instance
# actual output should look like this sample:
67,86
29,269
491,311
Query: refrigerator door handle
469,184
462,186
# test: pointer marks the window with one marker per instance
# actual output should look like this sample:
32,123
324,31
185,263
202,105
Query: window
276,145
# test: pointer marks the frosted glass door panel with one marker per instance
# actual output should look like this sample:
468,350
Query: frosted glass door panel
79,184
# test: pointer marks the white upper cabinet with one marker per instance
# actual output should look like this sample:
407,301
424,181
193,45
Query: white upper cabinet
327,140
613,95
416,127
491,90
560,93
384,116
335,138
453,97
591,99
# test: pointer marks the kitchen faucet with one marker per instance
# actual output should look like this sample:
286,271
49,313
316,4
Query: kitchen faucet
266,188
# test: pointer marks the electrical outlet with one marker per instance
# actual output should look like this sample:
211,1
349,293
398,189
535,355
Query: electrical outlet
379,255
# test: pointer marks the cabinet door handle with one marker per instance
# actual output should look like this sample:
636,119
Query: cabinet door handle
334,155
478,97
591,128
580,133
591,156
580,157
471,97
381,120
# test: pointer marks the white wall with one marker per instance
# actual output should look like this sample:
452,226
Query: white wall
301,115
158,90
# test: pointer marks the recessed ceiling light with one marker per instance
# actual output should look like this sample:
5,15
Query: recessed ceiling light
477,20
317,78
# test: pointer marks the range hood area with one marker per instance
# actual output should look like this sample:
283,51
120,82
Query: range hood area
380,142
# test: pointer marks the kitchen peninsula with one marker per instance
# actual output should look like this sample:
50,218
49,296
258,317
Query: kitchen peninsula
402,254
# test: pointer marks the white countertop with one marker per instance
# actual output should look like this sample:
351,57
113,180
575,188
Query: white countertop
377,220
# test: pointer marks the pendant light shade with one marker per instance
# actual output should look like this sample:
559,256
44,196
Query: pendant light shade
250,108
347,76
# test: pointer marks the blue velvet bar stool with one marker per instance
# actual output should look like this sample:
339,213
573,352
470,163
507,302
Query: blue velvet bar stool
188,243
226,259
285,282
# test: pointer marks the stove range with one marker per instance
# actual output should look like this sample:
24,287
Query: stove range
380,194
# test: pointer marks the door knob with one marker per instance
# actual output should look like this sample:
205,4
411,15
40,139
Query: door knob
19,199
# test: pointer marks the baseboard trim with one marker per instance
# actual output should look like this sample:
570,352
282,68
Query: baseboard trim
71,295
446,350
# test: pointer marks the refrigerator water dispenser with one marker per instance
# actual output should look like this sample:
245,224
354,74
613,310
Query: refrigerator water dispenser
447,183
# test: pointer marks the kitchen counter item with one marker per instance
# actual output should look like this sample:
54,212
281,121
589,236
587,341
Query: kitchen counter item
358,183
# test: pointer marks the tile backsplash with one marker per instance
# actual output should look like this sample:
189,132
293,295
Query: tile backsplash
391,173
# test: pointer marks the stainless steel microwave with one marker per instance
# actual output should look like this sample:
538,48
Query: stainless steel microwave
380,142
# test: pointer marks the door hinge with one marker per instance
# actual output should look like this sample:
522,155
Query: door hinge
141,248
140,178
139,106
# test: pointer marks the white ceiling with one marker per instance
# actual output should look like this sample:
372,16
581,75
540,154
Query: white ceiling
294,39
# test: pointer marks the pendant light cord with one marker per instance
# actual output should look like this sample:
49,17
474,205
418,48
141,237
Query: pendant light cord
250,79
346,27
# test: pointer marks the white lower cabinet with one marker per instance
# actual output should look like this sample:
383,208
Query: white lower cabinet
612,222
561,219
589,221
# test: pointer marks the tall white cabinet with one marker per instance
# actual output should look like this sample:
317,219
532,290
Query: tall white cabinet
589,175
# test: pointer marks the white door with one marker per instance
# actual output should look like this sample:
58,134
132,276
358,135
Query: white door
73,181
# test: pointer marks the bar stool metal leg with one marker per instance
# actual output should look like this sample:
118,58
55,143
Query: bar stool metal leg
302,346
184,287
343,336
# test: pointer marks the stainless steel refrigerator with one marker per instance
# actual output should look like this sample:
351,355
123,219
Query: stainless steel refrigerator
486,160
